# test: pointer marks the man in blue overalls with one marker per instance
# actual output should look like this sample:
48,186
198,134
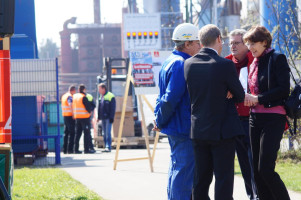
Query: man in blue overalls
172,112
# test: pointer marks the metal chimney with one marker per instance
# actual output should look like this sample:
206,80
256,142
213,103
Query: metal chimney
97,19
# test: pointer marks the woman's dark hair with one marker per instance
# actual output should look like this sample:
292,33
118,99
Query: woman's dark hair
258,34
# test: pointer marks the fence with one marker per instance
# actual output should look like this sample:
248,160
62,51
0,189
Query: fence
37,125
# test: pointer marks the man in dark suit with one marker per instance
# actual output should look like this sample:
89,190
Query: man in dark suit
214,87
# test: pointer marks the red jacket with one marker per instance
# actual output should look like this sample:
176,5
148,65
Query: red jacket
241,109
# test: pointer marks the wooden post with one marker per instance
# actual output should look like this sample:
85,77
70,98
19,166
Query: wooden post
127,86
125,97
5,43
157,133
145,133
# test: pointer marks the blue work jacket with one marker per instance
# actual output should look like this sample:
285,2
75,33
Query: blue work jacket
172,110
107,106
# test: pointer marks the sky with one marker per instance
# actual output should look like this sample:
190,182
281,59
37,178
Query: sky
51,15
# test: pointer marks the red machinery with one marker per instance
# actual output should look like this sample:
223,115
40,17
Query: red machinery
5,97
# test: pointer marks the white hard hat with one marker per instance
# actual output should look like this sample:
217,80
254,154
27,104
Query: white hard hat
185,32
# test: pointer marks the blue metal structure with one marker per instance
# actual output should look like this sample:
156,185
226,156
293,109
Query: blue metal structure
58,137
31,125
24,41
36,113
280,18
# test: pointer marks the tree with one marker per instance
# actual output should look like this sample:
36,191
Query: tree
285,24
48,49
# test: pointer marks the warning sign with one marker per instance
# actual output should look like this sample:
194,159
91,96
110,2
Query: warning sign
146,67
5,97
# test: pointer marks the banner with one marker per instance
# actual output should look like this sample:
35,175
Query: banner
5,97
146,66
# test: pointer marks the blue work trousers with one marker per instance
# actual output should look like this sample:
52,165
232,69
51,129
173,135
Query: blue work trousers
106,128
181,168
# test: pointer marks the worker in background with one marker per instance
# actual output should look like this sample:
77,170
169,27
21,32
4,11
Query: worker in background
82,112
242,58
69,122
93,106
106,113
172,112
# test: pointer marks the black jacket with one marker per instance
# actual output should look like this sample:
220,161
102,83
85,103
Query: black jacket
86,103
279,80
107,106
209,77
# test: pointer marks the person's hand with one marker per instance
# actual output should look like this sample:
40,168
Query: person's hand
156,127
250,100
98,120
229,95
111,121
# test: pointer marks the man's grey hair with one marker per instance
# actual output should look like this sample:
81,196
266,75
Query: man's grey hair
208,34
240,32
180,45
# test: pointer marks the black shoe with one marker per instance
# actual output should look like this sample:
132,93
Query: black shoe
106,150
90,151
70,152
93,150
78,152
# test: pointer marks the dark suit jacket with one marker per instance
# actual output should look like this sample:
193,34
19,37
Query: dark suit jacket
209,77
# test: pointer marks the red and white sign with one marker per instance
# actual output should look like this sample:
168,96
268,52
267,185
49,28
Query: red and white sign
142,66
5,97
144,82
144,76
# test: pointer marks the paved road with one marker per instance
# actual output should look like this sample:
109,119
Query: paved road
132,180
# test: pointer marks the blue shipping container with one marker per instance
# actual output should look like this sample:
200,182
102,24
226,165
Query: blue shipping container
51,111
27,116
52,130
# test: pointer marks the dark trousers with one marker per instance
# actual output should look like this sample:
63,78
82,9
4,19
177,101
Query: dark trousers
266,130
244,155
213,157
69,134
83,125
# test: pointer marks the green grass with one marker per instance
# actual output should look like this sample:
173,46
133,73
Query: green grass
289,172
48,184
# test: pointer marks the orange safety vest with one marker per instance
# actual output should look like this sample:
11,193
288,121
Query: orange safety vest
66,108
79,108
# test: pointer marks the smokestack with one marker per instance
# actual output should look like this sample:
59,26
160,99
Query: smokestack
97,12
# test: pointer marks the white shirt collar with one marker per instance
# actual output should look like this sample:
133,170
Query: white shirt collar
212,49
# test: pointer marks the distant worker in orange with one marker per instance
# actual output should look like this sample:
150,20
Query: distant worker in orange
69,122
82,112
93,106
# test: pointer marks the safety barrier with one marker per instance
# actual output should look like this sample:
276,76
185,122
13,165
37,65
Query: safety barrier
37,126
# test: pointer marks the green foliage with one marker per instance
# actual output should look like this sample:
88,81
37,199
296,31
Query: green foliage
293,156
48,184
290,173
48,49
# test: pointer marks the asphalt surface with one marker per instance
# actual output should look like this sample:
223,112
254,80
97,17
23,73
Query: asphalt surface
132,180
